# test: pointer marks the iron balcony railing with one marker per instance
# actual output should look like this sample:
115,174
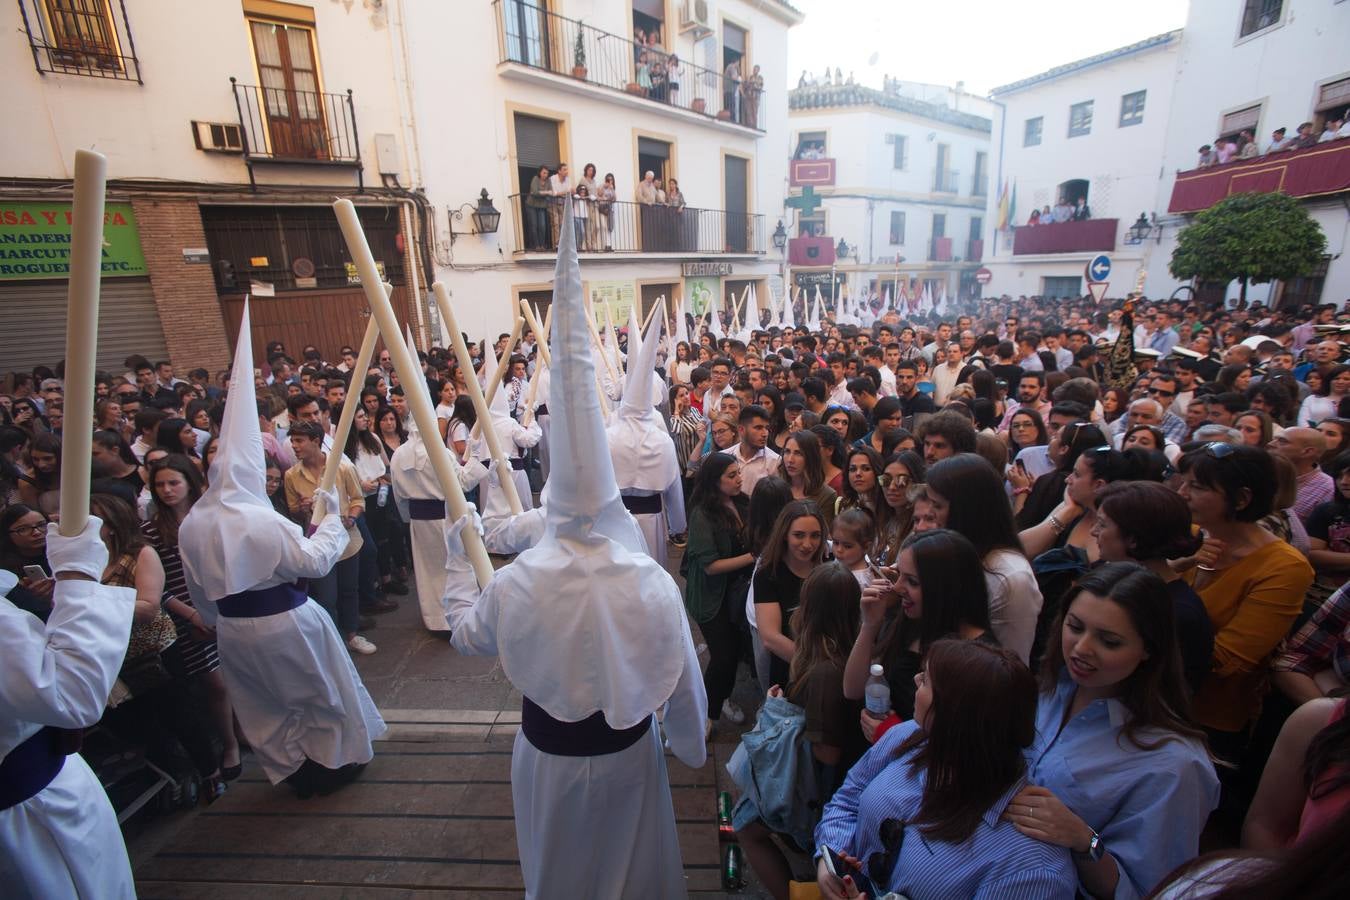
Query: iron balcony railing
624,227
79,37
280,124
946,181
534,37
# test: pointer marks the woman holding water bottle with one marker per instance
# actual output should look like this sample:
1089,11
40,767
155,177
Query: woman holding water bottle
366,452
936,590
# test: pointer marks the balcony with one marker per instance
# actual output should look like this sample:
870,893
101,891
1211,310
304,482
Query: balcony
975,250
543,41
940,249
1316,172
280,125
92,39
815,172
946,182
1087,236
629,228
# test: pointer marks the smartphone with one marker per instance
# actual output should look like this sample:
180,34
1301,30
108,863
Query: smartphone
839,867
35,573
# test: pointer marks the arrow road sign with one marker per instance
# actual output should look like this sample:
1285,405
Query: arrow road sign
1099,269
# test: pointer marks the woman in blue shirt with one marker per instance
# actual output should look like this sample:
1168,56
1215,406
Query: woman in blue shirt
1122,778
922,812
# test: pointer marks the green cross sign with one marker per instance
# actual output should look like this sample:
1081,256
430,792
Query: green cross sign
807,203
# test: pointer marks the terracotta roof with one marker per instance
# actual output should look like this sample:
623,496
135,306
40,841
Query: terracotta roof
830,96
1158,40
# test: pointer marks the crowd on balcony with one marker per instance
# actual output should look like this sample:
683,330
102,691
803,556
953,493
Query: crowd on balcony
1245,146
594,212
658,75
1063,211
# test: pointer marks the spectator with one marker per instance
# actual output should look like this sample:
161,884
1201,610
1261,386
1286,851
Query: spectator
1304,448
716,568
974,707
1252,584
802,469
1113,713
796,546
959,490
902,470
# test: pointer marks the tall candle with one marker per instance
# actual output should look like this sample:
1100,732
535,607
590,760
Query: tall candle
508,483
599,347
498,374
541,343
344,426
408,373
86,269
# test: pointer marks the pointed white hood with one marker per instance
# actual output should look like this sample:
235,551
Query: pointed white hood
229,539
593,624
681,326
639,442
752,322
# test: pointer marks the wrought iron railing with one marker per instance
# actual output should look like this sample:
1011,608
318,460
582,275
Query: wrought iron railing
534,37
284,125
946,181
623,227
81,37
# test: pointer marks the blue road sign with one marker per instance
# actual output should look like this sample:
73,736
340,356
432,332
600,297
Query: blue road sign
1100,267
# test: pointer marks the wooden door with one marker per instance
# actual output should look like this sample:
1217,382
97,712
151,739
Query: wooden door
326,319
290,90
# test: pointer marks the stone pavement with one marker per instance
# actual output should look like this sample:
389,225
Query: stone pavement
430,816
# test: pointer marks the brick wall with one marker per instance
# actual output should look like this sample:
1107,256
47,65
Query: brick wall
185,294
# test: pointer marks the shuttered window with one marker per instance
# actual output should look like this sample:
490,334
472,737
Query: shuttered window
1241,119
536,142
1337,93
33,323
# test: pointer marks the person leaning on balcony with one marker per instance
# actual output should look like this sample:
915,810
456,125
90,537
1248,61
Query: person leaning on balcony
536,211
1331,132
752,90
731,89
1277,141
1063,211
646,191
605,196
560,185
674,197
1306,138
1247,148
673,80
1081,213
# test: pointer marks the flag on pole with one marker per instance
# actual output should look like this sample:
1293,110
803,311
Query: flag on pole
1003,207
1012,206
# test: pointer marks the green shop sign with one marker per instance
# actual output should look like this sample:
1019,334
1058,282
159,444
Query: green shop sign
35,241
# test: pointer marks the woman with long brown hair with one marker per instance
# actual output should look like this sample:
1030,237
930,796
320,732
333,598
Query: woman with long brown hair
176,484
795,548
802,469
1123,778
921,813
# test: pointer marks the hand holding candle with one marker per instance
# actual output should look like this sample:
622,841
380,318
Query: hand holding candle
344,427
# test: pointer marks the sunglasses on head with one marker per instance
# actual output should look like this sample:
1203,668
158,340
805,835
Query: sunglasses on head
1219,449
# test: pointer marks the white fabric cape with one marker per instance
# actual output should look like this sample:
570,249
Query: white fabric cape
63,842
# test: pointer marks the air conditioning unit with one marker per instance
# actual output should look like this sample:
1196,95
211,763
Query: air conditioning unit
217,137
696,16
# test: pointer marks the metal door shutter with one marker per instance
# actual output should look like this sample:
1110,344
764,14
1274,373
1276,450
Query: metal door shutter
536,142
33,324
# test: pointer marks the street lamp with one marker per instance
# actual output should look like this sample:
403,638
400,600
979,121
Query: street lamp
779,237
843,250
1142,229
485,217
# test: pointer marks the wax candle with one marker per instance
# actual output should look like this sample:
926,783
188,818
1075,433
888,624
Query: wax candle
408,371
86,270
508,484
344,426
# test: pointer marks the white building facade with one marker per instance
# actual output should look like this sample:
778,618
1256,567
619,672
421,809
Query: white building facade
901,181
1091,129
231,125
1260,65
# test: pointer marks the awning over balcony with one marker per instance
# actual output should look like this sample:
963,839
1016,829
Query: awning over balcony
1065,237
1315,172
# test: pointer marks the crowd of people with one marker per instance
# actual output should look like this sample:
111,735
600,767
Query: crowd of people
1063,211
1051,591
658,75
1245,146
594,216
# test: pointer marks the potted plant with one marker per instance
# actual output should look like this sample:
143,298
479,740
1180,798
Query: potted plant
579,56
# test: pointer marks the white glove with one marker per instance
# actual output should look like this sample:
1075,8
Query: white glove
454,532
471,473
85,553
331,506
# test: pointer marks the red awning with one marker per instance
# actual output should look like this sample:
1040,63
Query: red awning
1315,172
1065,237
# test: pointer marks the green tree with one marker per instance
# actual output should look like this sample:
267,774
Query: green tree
1253,238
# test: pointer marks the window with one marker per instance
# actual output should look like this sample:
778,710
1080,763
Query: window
1080,119
1062,286
1333,102
900,151
1031,137
290,89
810,145
80,37
1258,15
1132,109
980,184
1234,123
897,227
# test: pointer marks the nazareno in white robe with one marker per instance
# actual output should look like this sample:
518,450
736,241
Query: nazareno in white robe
599,827
63,842
294,687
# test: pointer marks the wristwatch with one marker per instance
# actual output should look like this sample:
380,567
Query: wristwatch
1095,851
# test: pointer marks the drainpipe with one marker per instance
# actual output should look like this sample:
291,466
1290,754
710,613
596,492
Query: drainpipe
998,176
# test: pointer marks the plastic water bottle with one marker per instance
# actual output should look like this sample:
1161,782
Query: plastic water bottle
878,692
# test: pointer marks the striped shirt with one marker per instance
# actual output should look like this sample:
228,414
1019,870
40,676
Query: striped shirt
996,861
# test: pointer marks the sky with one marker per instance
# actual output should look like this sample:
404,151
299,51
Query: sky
985,43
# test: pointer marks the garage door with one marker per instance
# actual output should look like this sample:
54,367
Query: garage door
33,324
